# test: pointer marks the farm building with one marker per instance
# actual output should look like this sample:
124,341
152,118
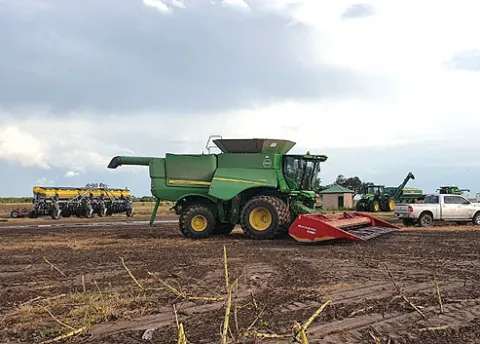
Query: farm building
337,197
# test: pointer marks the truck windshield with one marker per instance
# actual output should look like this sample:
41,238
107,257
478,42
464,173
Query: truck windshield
301,173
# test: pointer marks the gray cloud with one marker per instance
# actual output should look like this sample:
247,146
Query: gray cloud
123,56
466,60
358,11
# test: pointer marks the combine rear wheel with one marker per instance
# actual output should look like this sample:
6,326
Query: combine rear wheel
265,217
197,222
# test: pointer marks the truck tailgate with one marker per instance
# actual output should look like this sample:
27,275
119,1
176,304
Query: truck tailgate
401,209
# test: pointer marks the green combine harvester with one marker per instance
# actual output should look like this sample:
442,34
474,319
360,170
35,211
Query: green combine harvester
451,190
380,198
253,183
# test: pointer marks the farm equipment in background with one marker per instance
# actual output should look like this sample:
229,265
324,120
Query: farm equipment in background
21,213
80,201
451,190
380,198
253,183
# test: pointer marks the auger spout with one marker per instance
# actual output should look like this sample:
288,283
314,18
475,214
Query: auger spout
129,160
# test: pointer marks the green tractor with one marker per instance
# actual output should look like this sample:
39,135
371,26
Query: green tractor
253,183
380,198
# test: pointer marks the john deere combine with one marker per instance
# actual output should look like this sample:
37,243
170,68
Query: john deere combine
381,198
253,183
451,190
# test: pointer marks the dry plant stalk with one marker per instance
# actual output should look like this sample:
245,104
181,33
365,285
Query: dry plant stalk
437,328
56,319
68,335
227,318
375,338
54,267
301,329
182,339
399,291
131,275
413,306
439,296
226,268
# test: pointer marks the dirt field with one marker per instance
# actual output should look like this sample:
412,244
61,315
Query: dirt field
54,280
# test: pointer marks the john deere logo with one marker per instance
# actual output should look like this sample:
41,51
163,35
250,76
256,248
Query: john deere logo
267,163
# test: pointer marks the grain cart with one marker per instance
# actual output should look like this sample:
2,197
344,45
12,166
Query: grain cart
253,183
379,197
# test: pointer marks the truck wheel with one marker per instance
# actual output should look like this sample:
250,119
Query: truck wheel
408,222
425,220
197,222
265,217
476,219
374,207
224,228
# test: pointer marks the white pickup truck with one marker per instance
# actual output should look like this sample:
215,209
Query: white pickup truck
439,207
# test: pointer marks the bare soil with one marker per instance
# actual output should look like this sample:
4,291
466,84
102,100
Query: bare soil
53,279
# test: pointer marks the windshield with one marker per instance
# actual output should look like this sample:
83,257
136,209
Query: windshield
301,173
374,189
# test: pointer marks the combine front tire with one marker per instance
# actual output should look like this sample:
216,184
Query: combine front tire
265,217
197,222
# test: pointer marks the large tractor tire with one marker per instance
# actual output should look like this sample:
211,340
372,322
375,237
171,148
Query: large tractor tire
374,207
265,217
391,204
197,222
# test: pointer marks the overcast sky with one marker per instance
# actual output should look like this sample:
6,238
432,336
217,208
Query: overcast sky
382,87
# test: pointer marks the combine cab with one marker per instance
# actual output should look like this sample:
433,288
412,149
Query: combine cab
253,183
349,225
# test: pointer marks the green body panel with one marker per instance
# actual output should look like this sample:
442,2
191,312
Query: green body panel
162,189
229,182
190,169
